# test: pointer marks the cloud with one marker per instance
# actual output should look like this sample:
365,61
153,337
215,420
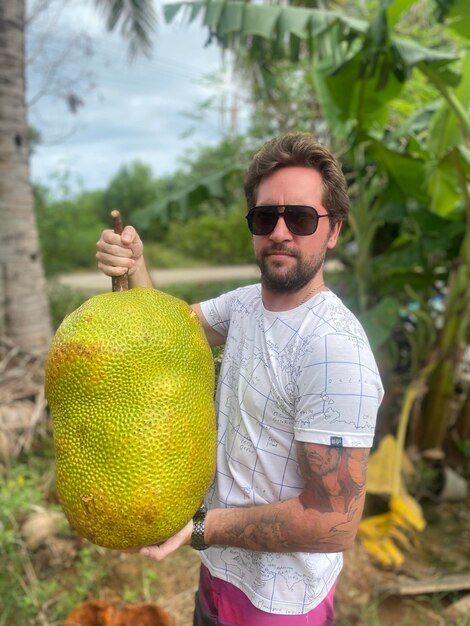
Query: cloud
130,111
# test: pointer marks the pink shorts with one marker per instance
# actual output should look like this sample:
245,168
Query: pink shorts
219,603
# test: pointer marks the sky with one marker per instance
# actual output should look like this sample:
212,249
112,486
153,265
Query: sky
131,111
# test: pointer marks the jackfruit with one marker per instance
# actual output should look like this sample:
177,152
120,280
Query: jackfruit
130,384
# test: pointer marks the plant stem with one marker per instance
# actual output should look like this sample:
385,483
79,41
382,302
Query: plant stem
119,283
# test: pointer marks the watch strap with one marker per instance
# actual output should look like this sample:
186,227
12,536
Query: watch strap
199,526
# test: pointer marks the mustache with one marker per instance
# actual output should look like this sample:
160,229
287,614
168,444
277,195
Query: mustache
279,249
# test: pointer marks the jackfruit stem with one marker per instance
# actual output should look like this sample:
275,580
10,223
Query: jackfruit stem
119,283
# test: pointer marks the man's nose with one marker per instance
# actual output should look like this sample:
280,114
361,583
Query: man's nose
280,232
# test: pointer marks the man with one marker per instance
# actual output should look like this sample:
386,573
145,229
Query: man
297,400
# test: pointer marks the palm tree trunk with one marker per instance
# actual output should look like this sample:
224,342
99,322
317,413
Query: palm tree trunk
24,308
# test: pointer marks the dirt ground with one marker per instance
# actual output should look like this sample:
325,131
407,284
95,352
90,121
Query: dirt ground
97,281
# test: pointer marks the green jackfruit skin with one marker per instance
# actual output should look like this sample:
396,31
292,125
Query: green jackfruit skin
130,385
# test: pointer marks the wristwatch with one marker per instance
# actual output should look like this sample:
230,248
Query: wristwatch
199,525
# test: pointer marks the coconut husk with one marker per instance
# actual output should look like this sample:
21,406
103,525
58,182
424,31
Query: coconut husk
106,613
23,411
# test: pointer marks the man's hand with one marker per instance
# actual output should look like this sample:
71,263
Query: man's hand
161,551
123,254
120,254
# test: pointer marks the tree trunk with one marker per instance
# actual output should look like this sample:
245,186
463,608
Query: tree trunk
26,312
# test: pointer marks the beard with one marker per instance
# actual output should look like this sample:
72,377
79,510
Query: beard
276,277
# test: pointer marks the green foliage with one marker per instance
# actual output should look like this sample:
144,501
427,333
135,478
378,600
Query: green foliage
92,571
284,99
193,199
21,489
137,22
196,190
457,14
70,226
68,230
218,241
463,445
198,292
205,160
161,255
132,187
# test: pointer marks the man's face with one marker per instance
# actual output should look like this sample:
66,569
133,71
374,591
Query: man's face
287,261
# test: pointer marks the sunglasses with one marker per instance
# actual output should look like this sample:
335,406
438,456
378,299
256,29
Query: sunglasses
299,219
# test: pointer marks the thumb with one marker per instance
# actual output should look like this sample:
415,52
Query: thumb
129,235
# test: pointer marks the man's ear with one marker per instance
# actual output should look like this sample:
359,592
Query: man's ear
333,236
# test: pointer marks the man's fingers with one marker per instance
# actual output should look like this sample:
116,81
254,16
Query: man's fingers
109,236
113,250
155,552
111,270
162,550
118,260
127,238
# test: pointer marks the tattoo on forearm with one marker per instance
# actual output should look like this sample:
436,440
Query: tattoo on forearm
265,534
270,534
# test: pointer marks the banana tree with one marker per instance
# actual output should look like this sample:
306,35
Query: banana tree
449,186
360,67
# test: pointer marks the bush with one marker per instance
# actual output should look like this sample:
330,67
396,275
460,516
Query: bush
218,240
161,256
64,301
198,292
68,231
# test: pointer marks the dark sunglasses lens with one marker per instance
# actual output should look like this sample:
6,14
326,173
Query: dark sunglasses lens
263,221
301,220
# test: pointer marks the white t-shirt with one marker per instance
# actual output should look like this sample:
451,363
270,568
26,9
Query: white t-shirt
306,374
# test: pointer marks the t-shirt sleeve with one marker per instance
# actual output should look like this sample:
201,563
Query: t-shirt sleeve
217,312
339,393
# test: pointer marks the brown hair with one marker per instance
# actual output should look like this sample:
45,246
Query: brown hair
300,149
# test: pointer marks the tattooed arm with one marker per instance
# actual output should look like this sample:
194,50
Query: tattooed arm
324,518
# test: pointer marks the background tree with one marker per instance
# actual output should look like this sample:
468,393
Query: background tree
24,308
132,187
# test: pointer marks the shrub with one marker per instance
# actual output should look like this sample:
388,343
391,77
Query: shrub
68,231
218,240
